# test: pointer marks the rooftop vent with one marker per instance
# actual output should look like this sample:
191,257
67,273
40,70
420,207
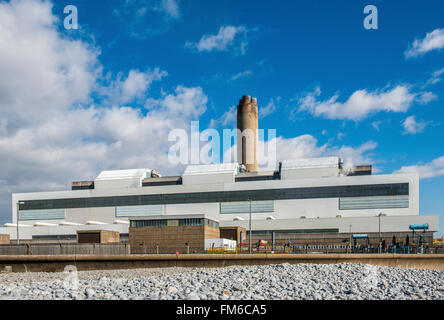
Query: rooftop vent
364,170
82,185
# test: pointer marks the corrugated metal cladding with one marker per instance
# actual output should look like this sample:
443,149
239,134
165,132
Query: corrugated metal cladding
46,214
139,211
244,207
385,202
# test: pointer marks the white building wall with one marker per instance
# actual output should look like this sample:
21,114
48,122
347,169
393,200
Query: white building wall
309,173
101,214
210,209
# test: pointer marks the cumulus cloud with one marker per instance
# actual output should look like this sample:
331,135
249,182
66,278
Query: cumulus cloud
52,132
224,39
411,126
359,105
435,168
41,73
432,41
124,90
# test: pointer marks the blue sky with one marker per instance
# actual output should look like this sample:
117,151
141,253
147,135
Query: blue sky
328,85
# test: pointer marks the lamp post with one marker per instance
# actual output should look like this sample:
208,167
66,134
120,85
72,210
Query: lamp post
17,222
379,221
249,227
350,228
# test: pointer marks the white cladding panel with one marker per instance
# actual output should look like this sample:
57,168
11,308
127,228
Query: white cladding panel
310,168
309,173
210,209
211,173
309,208
306,163
113,179
217,178
100,214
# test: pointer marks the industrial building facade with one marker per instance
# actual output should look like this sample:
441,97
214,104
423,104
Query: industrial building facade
332,204
305,200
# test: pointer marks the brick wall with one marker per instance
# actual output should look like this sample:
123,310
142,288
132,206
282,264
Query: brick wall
4,239
170,239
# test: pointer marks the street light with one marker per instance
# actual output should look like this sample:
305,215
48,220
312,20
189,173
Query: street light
379,220
17,222
249,235
350,228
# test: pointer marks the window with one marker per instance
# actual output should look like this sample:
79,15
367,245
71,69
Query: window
383,202
51,214
244,207
175,223
139,211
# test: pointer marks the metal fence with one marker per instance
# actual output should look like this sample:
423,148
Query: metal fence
65,248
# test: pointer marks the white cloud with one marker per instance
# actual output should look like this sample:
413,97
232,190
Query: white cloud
221,41
360,104
41,72
241,74
411,126
376,124
435,78
227,119
269,108
134,86
435,168
48,135
170,7
426,97
433,41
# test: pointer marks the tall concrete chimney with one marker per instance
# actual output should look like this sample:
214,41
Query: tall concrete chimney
247,138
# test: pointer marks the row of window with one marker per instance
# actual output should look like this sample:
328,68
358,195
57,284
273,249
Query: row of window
384,202
244,207
139,211
48,214
393,189
175,223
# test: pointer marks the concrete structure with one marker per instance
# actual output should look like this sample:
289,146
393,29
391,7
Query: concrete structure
247,124
24,263
171,234
303,201
97,236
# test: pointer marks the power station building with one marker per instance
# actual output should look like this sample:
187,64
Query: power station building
302,201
